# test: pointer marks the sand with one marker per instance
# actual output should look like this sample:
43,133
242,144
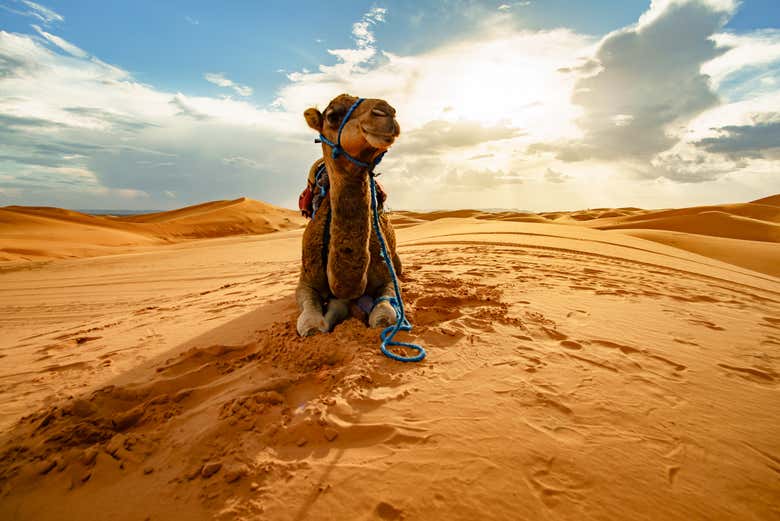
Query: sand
600,364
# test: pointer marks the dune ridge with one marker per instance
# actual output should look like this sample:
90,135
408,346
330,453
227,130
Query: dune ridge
753,228
41,233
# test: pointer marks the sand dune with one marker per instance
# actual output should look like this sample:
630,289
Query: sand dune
45,233
759,256
772,200
572,373
714,223
692,229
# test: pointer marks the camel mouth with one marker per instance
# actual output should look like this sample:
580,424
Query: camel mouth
379,139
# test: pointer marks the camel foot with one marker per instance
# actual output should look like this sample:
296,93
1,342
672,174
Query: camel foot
382,315
311,323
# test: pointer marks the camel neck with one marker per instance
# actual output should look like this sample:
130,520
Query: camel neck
350,226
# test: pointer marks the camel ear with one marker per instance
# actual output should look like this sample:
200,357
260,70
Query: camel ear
313,118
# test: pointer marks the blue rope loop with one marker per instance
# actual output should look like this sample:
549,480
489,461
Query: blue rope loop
401,324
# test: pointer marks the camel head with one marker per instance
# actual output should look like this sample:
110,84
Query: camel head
370,130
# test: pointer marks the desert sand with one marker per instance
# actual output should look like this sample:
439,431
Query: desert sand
611,363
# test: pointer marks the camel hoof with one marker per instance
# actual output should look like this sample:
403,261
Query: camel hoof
311,324
382,315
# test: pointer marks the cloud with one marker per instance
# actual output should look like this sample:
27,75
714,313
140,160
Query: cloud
759,139
748,57
45,14
107,119
688,164
64,114
34,10
349,61
153,164
551,176
218,78
191,20
439,135
361,31
518,82
180,102
465,179
508,7
239,161
648,81
61,43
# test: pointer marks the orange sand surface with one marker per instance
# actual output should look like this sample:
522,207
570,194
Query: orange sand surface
599,364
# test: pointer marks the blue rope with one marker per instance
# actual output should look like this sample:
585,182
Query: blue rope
317,176
401,324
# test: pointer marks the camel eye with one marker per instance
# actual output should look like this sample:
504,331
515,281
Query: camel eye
334,115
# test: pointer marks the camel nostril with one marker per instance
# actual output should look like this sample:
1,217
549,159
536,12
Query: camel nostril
379,112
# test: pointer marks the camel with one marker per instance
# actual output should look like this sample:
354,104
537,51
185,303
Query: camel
341,259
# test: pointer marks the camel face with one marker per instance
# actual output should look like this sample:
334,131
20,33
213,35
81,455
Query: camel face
370,130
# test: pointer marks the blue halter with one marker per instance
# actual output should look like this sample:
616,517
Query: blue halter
336,148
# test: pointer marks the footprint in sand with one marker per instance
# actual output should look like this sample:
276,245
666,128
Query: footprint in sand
705,323
571,344
578,317
387,511
642,359
562,434
555,482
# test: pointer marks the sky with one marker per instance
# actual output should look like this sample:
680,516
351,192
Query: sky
535,105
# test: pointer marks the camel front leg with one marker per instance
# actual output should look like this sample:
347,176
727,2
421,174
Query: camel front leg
383,314
310,321
338,310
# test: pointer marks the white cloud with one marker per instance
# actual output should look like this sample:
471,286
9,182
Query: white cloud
356,59
218,78
239,161
750,52
34,10
191,20
508,7
77,132
649,81
659,8
61,43
362,32
554,176
44,13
